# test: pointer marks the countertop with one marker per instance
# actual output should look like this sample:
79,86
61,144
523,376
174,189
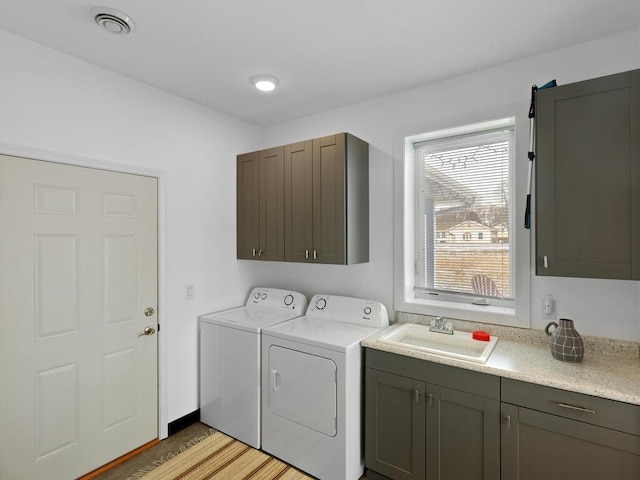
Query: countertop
610,369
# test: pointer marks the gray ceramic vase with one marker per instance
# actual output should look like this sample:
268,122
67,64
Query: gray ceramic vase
566,342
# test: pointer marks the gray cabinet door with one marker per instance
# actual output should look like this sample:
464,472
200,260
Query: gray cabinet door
394,425
298,202
538,445
588,178
248,205
463,435
329,197
340,199
272,204
260,205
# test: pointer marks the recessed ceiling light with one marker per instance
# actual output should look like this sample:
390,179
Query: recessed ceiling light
265,83
112,20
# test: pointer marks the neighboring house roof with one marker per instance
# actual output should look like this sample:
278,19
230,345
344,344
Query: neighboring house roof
444,225
469,224
500,227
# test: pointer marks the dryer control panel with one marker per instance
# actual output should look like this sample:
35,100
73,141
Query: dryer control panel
358,311
277,299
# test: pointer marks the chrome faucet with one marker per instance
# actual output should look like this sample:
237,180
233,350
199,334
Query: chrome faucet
438,325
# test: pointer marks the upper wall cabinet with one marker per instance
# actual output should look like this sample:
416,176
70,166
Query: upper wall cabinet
588,178
324,213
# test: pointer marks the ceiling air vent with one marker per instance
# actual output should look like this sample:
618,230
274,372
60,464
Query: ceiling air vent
112,20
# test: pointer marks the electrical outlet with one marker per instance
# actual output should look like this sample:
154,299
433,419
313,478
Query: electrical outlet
548,307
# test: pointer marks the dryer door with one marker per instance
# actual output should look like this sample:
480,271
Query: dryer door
302,389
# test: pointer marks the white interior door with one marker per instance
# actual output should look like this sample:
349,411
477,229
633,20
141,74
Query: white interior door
78,268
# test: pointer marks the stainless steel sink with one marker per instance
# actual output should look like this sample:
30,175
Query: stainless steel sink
460,345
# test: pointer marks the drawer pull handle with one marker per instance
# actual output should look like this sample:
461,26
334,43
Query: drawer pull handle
579,409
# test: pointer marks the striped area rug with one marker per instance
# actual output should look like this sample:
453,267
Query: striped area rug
222,457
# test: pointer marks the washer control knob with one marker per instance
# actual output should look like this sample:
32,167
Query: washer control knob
257,295
288,300
321,303
367,310
264,296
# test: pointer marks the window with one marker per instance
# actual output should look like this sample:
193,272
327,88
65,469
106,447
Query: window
463,197
421,284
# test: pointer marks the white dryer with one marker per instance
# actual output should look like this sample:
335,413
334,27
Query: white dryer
312,376
230,360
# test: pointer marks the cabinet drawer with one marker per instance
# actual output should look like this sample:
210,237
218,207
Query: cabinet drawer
611,414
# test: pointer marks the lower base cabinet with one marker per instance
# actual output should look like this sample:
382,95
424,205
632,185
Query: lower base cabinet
435,422
395,425
430,421
558,435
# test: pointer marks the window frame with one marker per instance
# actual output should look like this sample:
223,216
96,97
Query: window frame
406,298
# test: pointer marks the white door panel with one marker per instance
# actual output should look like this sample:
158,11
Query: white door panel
78,267
302,388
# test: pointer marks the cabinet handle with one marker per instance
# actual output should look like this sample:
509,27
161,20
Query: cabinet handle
544,260
254,252
260,253
417,395
306,254
508,418
430,399
579,409
315,255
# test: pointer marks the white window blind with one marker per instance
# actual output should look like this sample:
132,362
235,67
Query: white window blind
463,212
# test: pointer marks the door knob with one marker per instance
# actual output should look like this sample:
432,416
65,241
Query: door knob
149,311
148,330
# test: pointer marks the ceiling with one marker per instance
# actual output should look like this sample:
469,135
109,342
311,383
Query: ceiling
326,53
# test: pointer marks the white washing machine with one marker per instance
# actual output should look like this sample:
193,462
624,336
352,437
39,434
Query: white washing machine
312,378
230,360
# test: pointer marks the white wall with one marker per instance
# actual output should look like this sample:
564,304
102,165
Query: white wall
52,102
599,307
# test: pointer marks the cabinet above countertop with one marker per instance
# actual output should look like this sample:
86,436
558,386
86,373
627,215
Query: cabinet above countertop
615,377
588,178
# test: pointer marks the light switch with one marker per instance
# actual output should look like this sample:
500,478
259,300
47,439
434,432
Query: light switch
189,293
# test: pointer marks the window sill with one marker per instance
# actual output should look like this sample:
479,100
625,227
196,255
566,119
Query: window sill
462,311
